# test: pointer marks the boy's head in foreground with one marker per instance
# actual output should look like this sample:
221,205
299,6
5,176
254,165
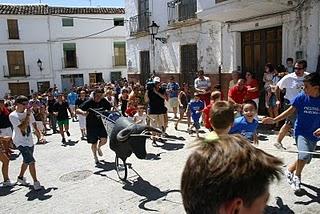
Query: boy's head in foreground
226,174
222,116
249,110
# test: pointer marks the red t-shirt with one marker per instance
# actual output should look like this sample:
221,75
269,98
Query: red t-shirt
237,95
252,95
206,114
131,111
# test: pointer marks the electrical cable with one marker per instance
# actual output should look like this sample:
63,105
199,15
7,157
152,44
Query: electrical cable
85,17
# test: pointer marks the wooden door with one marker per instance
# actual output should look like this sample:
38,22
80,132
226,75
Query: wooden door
17,89
43,86
16,63
189,63
144,66
258,48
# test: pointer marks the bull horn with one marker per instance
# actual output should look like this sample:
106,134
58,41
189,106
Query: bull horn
124,134
149,128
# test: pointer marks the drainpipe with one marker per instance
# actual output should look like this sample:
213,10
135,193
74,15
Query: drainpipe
221,56
50,51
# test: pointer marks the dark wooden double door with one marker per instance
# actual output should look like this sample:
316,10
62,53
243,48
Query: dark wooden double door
258,48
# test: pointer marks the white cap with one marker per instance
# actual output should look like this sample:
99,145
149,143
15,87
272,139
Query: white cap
156,79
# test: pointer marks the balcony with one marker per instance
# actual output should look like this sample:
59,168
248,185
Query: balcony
69,62
181,11
234,10
139,24
119,61
16,71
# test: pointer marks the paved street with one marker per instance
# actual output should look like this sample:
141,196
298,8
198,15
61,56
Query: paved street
73,184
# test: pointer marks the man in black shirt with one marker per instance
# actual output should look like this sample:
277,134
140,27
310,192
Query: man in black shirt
60,110
52,117
94,125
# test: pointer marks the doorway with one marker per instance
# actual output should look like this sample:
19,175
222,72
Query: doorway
68,81
144,66
19,89
189,63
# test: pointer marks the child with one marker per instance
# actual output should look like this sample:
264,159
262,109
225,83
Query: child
215,96
131,110
140,117
124,101
222,117
267,79
196,106
306,128
247,125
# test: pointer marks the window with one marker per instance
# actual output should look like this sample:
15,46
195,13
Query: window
13,28
119,54
67,22
16,63
70,56
19,88
43,86
118,22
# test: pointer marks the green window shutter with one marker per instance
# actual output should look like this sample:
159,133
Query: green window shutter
69,46
118,21
67,22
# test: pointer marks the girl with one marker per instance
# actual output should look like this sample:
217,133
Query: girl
267,79
183,99
124,101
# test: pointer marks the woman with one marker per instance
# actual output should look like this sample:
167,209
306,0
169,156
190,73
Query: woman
235,77
252,86
183,99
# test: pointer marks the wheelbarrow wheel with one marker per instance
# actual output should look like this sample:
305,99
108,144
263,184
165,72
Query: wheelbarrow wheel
121,168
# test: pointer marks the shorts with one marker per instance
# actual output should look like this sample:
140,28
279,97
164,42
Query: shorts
306,145
82,121
173,102
292,118
6,132
158,121
63,122
96,133
27,154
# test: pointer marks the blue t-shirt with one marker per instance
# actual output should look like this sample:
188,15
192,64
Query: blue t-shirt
308,116
195,106
72,97
243,127
173,89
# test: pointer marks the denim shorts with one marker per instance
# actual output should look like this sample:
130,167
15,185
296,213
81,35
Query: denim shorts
27,154
306,145
292,118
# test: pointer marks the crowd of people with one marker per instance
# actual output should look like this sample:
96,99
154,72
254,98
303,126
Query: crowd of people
289,88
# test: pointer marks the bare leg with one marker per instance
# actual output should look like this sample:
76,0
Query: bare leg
175,109
61,131
94,150
299,167
292,167
5,167
32,169
23,169
283,131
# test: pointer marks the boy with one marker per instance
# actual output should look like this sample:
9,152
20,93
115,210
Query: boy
222,117
215,96
140,117
196,106
247,125
228,175
22,120
306,127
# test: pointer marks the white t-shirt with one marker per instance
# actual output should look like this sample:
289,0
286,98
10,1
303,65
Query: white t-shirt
293,85
202,83
17,137
142,118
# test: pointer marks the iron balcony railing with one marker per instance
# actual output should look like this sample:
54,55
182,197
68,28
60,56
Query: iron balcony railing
16,71
139,23
181,10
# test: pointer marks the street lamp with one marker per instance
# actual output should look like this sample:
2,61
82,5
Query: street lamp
39,63
153,31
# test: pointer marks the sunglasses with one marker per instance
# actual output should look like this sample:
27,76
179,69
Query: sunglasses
298,69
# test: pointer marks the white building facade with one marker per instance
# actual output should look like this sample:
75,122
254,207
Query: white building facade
232,34
41,46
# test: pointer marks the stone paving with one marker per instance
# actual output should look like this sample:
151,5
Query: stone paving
73,184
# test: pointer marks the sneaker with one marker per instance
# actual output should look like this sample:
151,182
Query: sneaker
7,183
289,176
63,140
22,181
36,185
296,183
100,152
96,160
279,146
68,133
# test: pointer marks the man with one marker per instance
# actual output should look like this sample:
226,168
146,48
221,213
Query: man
290,67
202,85
22,120
173,91
82,119
238,93
293,84
60,110
72,97
95,128
227,175
52,117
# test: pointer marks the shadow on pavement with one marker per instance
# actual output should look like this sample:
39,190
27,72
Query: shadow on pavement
151,156
263,137
105,167
279,209
172,146
148,191
70,143
39,194
4,191
313,198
